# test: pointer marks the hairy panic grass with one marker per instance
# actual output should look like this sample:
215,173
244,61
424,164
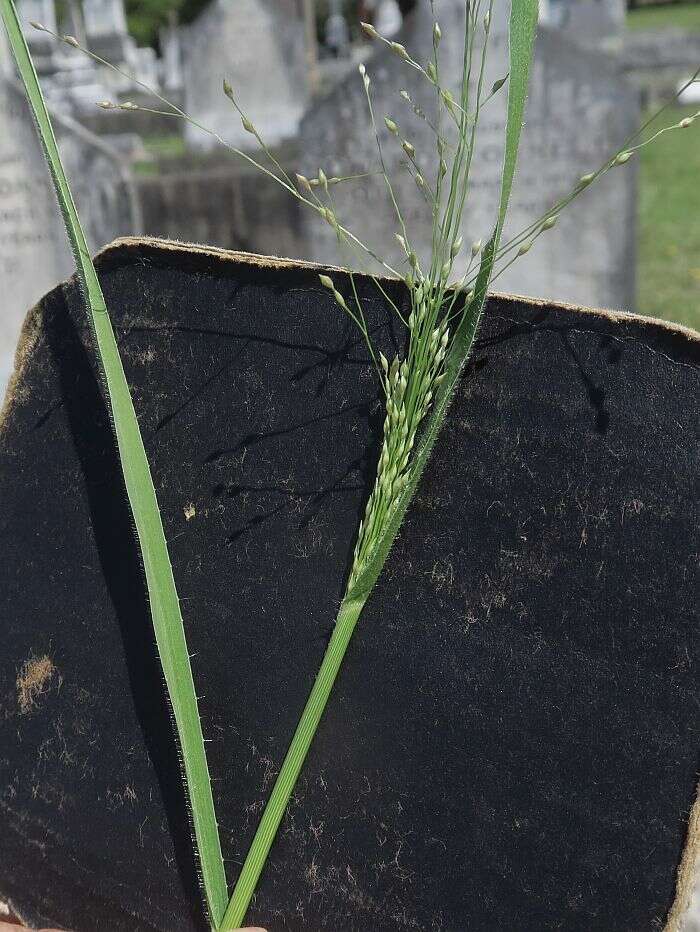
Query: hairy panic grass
446,298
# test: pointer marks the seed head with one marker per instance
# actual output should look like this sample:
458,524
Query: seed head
685,123
106,105
399,50
586,179
39,26
550,222
128,105
443,168
420,181
385,363
456,246
327,282
623,157
448,100
323,179
248,126
391,126
340,299
487,21
406,96
476,247
431,72
526,247
408,149
228,90
369,30
402,242
71,40
446,269
498,85
437,34
303,182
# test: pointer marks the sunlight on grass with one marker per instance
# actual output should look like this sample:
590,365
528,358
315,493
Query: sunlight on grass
678,15
668,283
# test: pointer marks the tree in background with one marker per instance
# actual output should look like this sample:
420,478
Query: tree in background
146,17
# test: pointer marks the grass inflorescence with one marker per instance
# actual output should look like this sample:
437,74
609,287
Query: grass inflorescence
446,293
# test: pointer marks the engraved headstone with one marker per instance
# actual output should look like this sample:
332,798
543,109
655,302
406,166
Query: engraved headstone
578,113
34,254
257,45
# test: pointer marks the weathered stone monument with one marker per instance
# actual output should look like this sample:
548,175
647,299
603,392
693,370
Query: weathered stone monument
257,45
43,46
593,23
34,253
579,111
105,25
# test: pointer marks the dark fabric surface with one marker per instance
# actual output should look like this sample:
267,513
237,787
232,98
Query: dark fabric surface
513,740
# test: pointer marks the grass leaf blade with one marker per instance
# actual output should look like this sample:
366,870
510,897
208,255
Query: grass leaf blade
164,602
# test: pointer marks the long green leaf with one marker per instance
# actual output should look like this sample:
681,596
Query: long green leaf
523,21
165,606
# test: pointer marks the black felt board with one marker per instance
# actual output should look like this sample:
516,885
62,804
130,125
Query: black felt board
513,740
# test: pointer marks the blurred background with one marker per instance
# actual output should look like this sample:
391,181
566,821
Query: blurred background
602,67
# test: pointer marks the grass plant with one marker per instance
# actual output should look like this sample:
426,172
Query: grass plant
445,300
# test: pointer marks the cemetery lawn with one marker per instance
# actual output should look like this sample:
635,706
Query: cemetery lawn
679,15
668,273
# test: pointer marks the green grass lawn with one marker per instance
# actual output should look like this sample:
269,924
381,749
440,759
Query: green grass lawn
668,272
681,15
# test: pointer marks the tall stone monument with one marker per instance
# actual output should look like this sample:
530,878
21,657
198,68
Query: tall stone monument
257,45
34,254
106,28
578,112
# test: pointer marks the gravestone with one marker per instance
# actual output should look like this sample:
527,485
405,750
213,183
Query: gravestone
106,29
34,253
43,46
578,113
594,23
336,31
171,51
259,47
38,11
